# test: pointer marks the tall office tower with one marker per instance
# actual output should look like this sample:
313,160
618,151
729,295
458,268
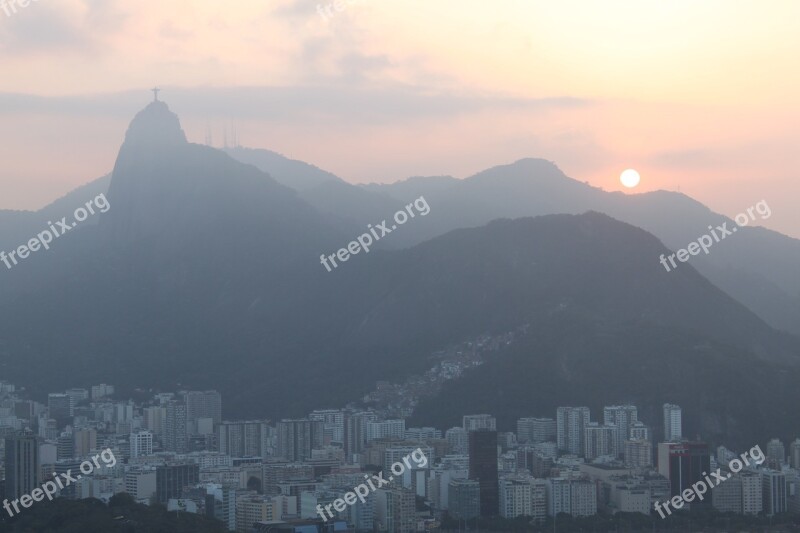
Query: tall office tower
673,431
558,496
476,422
623,417
202,404
463,499
355,432
530,430
65,446
774,492
600,440
752,492
141,444
483,469
382,429
76,396
458,440
22,464
794,453
570,425
60,408
176,438
395,510
155,419
172,478
638,453
247,438
639,431
84,441
332,424
776,454
296,438
683,464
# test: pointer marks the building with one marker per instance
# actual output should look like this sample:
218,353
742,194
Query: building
673,431
84,441
22,464
600,440
623,417
464,499
517,496
141,444
243,438
794,454
202,404
60,408
172,478
558,496
296,438
638,453
458,440
395,510
476,422
774,492
683,464
639,431
532,430
385,429
483,469
727,497
141,484
102,391
252,508
176,438
776,454
583,497
571,423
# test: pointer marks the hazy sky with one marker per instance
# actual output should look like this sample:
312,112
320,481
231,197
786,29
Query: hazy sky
699,96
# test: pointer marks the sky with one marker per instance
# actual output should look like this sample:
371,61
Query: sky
699,96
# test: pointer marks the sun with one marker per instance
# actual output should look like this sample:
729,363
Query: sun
629,178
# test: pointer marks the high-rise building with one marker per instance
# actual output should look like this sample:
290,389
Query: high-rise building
296,438
774,492
252,508
558,496
776,454
101,391
395,510
483,469
623,417
384,429
673,431
248,438
794,454
60,408
202,404
458,440
583,497
172,478
571,423
638,453
683,464
476,422
84,441
464,499
332,424
516,497
22,464
141,443
639,431
355,432
752,492
141,484
154,418
531,430
600,440
176,438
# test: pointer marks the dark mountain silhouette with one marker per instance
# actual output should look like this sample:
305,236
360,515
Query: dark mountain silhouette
205,273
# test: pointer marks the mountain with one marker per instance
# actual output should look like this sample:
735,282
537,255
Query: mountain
205,273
